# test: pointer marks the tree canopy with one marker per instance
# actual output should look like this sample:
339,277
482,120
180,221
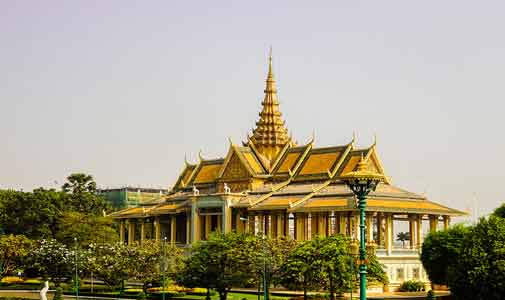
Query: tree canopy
500,211
32,214
440,250
470,260
221,262
75,211
152,260
88,228
14,249
479,270
81,191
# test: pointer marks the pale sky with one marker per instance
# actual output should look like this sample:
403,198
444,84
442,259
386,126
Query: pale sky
123,90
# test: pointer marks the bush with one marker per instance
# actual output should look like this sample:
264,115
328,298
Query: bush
133,291
33,281
430,295
58,294
141,296
200,292
411,286
168,288
168,294
12,280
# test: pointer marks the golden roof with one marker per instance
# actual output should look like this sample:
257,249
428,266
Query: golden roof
130,212
207,171
270,134
272,173
289,162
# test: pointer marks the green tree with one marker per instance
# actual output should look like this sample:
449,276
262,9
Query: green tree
304,268
79,183
402,237
375,270
324,262
81,189
151,261
196,270
479,270
90,229
441,250
34,215
500,211
14,249
112,263
56,261
267,257
335,255
221,262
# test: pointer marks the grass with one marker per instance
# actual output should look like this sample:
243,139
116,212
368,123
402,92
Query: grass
233,296
35,284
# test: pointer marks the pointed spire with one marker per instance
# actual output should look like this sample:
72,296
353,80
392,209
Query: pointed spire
270,87
270,134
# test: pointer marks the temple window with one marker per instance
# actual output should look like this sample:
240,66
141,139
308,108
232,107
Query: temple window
415,273
400,274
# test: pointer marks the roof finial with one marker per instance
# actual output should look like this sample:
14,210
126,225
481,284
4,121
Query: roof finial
312,138
374,140
353,138
270,72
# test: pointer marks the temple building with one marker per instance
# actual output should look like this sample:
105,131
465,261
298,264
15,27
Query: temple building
270,184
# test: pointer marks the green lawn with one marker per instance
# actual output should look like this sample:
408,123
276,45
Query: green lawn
234,296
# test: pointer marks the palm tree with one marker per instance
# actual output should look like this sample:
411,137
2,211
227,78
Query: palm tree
402,237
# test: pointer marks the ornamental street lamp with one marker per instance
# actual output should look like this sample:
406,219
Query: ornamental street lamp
362,182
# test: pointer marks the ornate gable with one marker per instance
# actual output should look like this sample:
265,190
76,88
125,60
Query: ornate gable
235,169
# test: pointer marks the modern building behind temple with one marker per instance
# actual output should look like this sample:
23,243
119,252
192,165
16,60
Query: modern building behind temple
271,185
127,196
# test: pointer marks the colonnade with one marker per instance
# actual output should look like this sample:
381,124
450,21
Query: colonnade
137,231
300,226
304,226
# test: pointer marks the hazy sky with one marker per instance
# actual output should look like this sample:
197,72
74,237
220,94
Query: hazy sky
123,89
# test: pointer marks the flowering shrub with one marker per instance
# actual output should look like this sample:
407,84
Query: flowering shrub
12,280
55,260
168,288
109,262
200,292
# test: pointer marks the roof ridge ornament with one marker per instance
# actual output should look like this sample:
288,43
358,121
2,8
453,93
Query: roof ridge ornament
226,188
312,138
186,162
196,192
353,140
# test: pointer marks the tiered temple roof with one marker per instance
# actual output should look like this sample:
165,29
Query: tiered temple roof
270,172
